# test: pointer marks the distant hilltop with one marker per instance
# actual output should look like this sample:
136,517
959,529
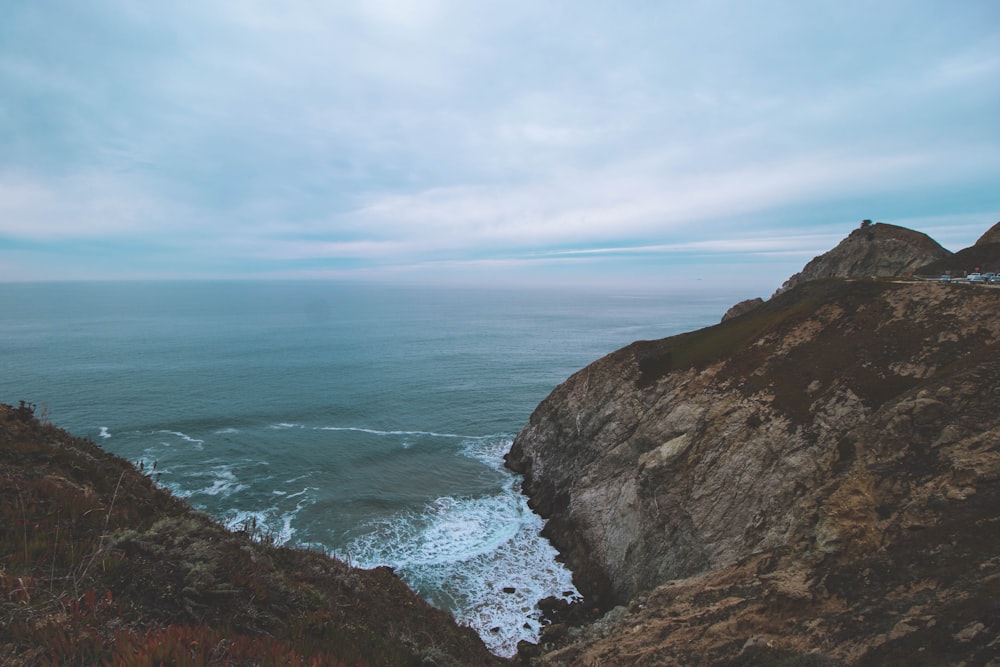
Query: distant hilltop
880,250
984,255
873,250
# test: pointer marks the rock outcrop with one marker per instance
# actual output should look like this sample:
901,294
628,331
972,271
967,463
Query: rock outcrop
817,477
873,250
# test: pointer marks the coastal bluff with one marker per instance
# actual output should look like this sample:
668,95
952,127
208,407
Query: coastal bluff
815,481
100,566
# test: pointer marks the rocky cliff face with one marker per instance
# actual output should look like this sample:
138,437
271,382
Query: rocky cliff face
873,250
817,476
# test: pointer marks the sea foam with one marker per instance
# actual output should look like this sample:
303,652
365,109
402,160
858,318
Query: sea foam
481,558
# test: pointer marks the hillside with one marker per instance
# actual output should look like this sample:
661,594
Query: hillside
813,482
98,564
876,250
983,255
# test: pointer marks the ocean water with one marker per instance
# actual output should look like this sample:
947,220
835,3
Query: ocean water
366,421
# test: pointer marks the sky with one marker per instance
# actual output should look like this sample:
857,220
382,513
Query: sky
522,142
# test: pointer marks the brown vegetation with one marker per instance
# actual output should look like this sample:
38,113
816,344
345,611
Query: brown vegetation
815,482
99,566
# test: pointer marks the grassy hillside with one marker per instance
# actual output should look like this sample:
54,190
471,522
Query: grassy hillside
100,566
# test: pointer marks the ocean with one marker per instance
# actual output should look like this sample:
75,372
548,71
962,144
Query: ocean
369,422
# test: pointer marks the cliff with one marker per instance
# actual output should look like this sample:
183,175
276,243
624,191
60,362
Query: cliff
815,482
100,566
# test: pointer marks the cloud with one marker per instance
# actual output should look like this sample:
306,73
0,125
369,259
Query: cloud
758,245
438,133
632,201
264,248
85,205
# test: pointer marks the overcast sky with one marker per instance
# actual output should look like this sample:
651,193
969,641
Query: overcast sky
469,141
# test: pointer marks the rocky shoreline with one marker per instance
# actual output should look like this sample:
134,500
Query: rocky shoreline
815,479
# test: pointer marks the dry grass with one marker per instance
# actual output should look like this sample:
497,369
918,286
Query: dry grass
100,566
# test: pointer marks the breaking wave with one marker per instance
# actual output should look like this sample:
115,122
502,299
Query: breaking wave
483,558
